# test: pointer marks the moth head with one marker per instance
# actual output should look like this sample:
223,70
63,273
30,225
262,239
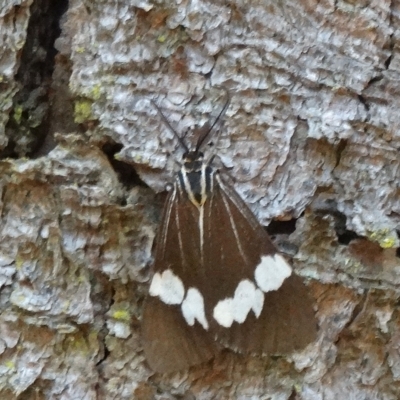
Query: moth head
191,156
192,160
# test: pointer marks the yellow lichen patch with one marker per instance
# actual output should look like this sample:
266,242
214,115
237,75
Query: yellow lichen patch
388,242
138,159
19,262
95,92
77,343
384,238
83,111
10,364
17,114
298,387
121,315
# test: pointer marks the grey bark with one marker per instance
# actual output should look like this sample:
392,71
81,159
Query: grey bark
311,139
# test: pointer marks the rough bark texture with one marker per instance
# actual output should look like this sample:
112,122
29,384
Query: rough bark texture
311,139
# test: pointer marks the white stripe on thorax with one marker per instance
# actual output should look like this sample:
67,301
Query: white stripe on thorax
200,206
187,187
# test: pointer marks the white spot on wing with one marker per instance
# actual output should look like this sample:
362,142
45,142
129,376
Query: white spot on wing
223,313
168,287
193,308
246,298
271,272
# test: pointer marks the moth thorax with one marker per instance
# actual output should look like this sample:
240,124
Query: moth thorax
195,178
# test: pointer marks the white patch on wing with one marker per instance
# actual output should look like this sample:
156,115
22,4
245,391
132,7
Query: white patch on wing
193,308
168,287
223,313
246,298
271,272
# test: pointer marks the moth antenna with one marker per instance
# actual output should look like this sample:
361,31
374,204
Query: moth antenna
220,115
166,122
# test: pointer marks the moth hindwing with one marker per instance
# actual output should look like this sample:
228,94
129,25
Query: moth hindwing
218,280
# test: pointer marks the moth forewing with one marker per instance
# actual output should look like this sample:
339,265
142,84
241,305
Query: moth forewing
169,343
218,279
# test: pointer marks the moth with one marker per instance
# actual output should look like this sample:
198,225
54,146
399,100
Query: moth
218,280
